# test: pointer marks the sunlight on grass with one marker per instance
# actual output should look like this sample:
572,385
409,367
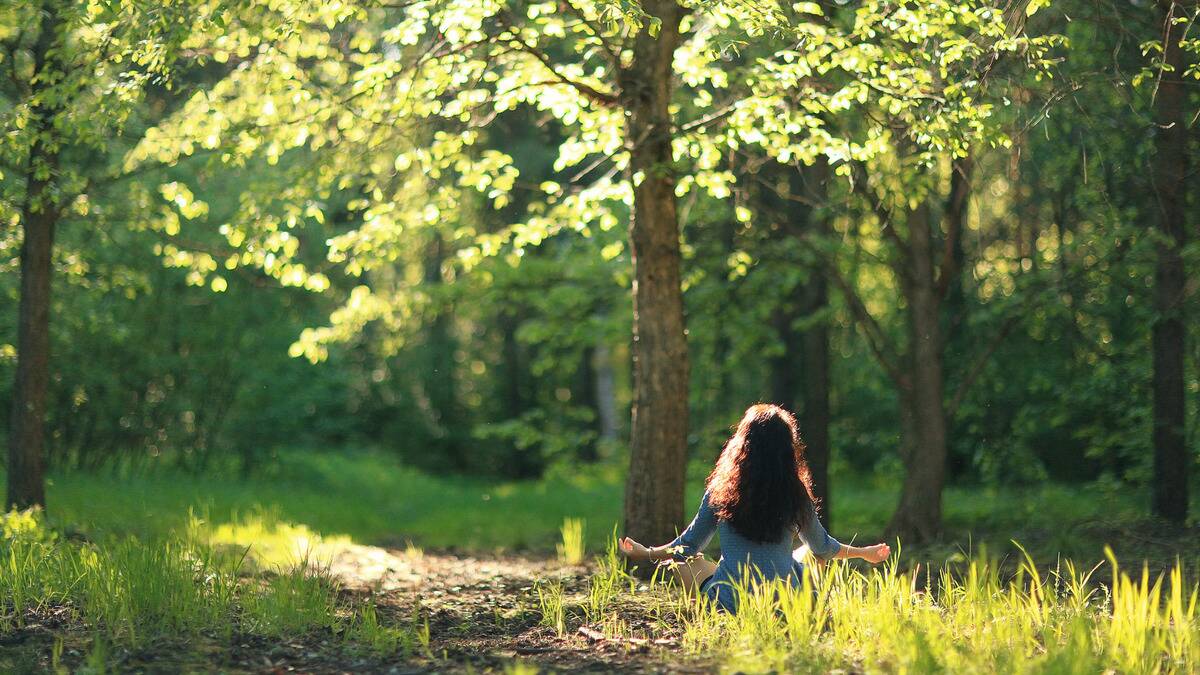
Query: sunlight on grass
295,602
268,541
572,551
129,592
367,632
978,617
373,499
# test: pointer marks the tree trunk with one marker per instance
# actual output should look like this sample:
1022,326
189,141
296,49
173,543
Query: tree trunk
39,218
918,516
815,413
585,396
800,376
655,487
1169,330
785,367
606,394
518,387
440,384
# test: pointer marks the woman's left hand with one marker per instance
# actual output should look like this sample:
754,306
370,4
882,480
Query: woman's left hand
633,550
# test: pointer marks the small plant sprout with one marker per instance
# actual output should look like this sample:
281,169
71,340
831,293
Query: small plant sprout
572,551
551,605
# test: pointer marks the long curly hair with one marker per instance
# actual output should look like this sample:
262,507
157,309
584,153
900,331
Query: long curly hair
761,484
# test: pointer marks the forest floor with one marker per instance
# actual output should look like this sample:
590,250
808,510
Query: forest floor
473,589
480,612
483,615
467,612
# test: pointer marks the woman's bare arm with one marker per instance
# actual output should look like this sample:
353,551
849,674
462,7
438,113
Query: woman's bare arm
639,553
872,554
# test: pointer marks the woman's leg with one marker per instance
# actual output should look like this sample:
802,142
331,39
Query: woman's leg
692,572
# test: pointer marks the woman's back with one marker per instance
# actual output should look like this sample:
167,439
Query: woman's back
759,497
745,559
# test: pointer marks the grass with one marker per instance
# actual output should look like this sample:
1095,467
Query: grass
200,586
170,561
370,499
572,550
974,618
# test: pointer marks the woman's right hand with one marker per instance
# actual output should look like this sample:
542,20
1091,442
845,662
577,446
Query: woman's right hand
633,550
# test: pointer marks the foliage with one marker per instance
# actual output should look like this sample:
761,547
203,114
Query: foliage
429,202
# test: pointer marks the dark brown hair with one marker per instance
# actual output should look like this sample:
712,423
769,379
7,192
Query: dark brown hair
761,484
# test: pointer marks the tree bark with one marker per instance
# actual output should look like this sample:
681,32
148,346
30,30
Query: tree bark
918,516
815,413
39,218
1169,339
655,487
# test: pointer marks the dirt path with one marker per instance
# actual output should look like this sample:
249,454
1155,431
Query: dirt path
483,614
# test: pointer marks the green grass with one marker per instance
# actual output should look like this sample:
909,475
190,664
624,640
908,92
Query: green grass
188,588
124,563
975,617
370,499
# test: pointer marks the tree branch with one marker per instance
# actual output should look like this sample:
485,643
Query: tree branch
590,92
614,55
876,339
714,116
980,362
881,211
955,216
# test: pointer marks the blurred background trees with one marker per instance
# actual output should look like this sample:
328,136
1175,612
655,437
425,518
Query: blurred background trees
957,237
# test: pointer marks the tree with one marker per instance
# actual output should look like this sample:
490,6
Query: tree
658,447
918,369
895,102
75,73
1170,171
794,201
884,80
608,80
40,210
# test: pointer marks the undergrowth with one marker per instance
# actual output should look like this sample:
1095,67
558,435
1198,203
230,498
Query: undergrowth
126,592
977,617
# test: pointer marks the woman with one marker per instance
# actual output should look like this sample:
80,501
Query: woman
758,497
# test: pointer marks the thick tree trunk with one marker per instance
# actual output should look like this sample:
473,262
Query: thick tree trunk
918,516
26,452
1169,331
655,487
39,218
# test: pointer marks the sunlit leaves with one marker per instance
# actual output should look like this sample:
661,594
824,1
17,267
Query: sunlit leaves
390,109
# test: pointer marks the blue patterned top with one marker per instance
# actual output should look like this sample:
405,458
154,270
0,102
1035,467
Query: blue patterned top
769,560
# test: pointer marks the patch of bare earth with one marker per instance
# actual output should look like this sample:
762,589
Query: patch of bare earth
482,613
